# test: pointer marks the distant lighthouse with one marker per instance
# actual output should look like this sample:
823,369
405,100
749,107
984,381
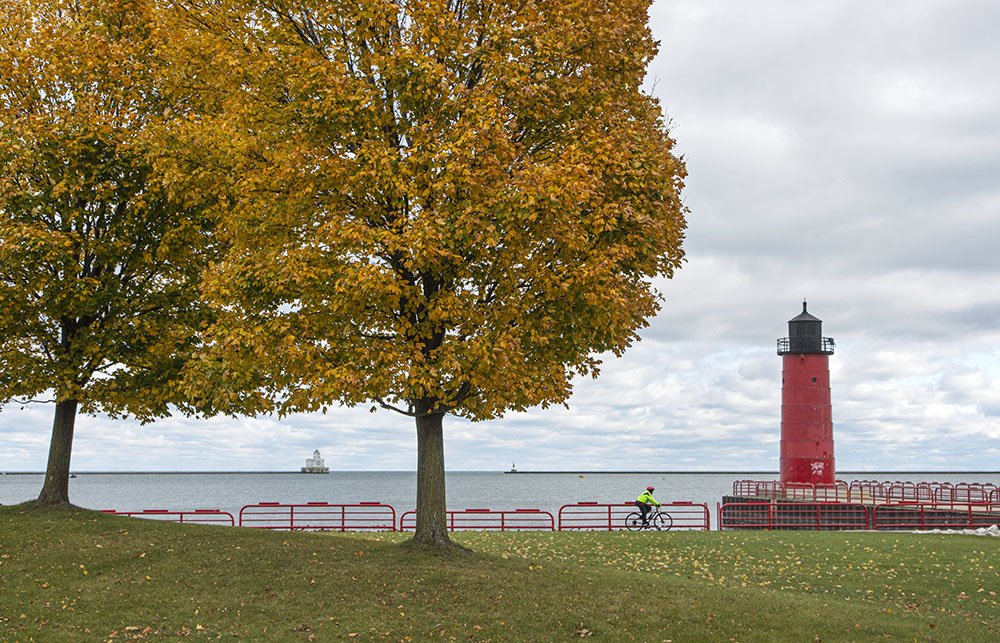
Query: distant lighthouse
806,411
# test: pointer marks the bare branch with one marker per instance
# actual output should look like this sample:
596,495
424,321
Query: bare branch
385,405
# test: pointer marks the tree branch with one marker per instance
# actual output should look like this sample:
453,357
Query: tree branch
25,402
385,405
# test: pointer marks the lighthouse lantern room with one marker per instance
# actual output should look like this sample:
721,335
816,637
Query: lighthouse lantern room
806,410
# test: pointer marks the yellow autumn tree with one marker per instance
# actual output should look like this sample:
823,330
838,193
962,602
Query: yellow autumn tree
99,261
443,206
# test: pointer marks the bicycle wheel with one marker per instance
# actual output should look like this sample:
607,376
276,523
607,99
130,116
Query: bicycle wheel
656,521
633,521
664,522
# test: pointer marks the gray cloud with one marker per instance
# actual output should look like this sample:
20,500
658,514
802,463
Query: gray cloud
841,151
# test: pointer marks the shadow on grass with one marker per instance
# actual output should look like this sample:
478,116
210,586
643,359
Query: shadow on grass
446,550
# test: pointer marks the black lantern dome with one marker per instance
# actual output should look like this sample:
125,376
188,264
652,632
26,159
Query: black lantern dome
805,335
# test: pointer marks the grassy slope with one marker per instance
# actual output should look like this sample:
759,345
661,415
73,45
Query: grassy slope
77,575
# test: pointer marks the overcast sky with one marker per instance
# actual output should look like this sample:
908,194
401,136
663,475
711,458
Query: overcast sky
845,152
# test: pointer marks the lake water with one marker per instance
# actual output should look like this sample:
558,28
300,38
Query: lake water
465,489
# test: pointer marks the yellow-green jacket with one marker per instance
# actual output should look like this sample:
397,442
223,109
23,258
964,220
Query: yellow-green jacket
647,498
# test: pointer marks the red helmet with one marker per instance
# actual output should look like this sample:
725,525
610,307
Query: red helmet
649,489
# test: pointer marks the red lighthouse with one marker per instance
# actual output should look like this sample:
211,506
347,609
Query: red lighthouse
806,412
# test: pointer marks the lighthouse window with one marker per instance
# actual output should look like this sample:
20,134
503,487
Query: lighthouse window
814,380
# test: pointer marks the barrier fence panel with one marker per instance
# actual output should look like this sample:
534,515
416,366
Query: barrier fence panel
768,489
594,515
688,515
912,516
602,516
867,490
926,491
759,488
984,515
489,520
941,493
984,490
744,487
319,516
899,515
963,493
839,491
901,491
799,491
197,516
793,515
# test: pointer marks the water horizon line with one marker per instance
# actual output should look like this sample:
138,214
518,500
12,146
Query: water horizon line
508,471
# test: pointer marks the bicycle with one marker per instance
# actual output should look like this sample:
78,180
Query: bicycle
656,519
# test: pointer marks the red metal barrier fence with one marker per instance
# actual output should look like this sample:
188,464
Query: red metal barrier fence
964,493
913,515
199,516
319,516
867,490
836,492
594,515
839,491
821,516
950,507
758,488
871,491
489,520
375,516
940,493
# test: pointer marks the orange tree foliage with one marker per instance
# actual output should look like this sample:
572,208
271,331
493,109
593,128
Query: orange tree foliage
99,262
443,206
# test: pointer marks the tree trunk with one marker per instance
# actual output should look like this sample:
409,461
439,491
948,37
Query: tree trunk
432,516
55,491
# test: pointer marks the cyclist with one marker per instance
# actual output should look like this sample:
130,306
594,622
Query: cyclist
644,501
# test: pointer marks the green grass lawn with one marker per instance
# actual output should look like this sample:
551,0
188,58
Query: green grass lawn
77,575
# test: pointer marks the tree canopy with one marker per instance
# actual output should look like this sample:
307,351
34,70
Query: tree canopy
437,199
442,206
100,261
